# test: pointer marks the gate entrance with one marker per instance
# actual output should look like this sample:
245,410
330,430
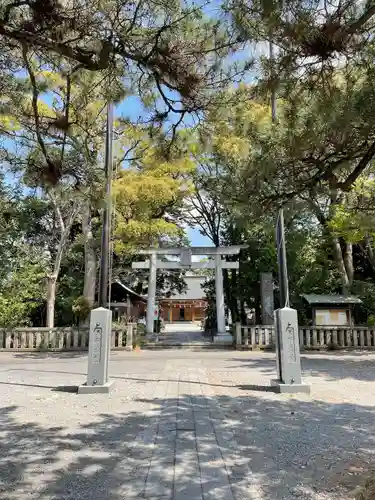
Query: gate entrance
217,262
182,314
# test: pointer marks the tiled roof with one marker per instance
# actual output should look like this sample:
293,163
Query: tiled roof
331,299
194,290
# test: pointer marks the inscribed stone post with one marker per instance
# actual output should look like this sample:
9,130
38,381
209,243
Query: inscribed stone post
98,358
288,363
266,294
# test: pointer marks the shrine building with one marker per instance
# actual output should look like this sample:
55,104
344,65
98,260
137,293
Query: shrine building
188,306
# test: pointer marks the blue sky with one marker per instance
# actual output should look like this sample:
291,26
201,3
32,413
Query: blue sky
198,239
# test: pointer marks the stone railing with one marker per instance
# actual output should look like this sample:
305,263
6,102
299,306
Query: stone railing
321,337
61,339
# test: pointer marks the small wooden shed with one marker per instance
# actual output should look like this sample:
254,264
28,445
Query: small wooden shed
332,310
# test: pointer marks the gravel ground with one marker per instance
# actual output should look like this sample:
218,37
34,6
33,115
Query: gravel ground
180,424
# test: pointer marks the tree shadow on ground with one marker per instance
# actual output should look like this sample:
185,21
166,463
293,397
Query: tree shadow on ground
330,366
273,448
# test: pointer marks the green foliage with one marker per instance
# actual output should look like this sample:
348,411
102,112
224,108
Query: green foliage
227,176
146,197
21,292
365,290
354,219
81,308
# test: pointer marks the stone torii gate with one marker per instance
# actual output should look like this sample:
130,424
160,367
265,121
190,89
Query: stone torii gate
185,262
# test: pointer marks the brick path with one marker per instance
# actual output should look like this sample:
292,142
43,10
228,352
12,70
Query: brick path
184,425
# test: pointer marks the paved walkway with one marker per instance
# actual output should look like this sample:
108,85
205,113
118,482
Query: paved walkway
183,334
184,425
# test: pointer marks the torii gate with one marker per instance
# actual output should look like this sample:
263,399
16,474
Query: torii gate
185,262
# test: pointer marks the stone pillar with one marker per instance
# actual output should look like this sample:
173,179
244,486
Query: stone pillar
222,336
238,335
288,363
128,308
220,309
266,293
98,358
129,338
151,295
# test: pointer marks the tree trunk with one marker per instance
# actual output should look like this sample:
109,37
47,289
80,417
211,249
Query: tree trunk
337,254
64,228
348,262
51,298
90,258
369,252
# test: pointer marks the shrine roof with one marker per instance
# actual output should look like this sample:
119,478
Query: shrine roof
130,291
314,299
194,290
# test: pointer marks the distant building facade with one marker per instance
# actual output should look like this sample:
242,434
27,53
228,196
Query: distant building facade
188,306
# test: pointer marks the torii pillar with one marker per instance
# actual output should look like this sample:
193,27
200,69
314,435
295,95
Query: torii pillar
151,294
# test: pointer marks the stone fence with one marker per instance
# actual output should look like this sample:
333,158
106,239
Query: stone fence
61,339
246,337
321,337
